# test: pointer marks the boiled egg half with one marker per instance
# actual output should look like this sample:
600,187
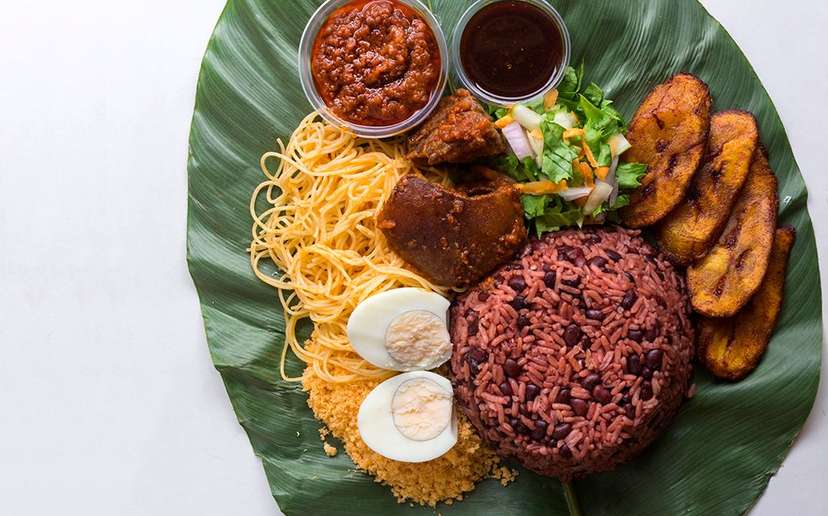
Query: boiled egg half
402,330
410,417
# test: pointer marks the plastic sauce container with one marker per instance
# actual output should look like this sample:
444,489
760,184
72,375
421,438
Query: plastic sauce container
510,51
316,97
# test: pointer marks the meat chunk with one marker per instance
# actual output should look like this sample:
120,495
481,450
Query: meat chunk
459,131
452,237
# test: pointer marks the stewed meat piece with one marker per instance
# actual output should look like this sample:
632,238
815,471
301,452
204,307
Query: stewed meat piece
459,131
453,237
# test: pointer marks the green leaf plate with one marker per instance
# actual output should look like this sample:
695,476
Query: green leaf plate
725,444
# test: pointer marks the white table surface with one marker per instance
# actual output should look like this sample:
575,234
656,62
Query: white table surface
95,104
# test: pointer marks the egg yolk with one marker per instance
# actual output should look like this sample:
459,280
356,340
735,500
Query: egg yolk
421,409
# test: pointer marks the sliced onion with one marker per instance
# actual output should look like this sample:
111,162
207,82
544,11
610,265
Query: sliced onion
537,147
618,144
526,117
612,180
570,194
565,119
517,140
599,194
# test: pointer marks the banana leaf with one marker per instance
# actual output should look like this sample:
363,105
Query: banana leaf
725,444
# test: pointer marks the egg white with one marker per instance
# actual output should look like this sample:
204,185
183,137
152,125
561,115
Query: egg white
376,423
369,322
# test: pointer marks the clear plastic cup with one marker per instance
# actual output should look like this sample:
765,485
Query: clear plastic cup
482,94
369,131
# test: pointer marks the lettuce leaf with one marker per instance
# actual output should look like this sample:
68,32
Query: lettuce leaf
570,86
604,155
557,214
557,154
557,165
495,111
611,211
601,123
600,120
537,106
531,169
629,175
609,109
521,171
552,132
571,83
550,213
620,201
594,94
534,205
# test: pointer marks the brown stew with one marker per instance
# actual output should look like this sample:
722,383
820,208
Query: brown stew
511,49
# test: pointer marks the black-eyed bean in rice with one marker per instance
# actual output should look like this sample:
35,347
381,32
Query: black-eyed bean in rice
587,345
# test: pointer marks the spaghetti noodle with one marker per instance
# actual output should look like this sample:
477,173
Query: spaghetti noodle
319,229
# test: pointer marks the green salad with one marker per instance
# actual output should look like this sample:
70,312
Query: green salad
565,155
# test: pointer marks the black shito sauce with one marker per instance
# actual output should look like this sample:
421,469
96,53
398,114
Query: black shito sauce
511,49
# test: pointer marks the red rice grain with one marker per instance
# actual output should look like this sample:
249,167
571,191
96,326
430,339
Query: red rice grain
625,412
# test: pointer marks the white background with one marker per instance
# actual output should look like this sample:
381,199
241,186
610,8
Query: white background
95,104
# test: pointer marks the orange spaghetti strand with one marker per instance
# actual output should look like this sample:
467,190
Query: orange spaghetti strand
318,228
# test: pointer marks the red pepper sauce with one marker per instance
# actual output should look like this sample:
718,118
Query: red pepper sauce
375,62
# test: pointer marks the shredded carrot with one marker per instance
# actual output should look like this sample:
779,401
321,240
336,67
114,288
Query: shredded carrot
541,187
576,165
503,122
589,155
601,172
571,133
536,134
550,99
586,172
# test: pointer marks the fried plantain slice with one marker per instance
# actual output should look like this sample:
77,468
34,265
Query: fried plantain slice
689,231
668,133
724,280
731,348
